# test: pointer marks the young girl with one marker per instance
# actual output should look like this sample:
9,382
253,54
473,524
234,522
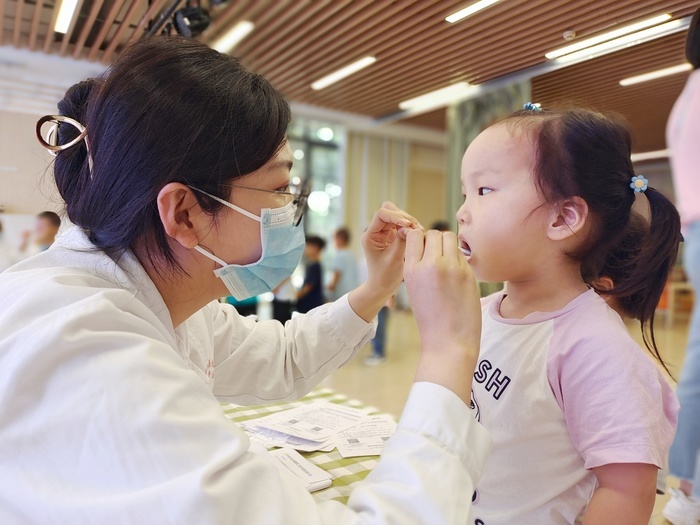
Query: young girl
581,418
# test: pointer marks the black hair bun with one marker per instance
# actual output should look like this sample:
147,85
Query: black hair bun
75,101
74,105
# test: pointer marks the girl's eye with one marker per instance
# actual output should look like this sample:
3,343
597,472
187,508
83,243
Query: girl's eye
283,189
484,191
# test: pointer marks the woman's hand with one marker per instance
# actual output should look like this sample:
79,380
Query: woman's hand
384,244
445,301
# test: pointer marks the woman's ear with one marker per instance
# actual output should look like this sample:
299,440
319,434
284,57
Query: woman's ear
180,214
568,219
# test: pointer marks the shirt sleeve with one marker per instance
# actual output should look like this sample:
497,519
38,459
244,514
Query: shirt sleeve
136,437
618,408
282,362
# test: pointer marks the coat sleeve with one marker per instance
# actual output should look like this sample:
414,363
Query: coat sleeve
264,362
120,430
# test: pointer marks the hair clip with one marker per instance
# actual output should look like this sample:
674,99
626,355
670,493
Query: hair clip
639,183
55,148
532,106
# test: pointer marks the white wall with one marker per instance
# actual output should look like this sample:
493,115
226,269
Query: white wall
26,177
31,84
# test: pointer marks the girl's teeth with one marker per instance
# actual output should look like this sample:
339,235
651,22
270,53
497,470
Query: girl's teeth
465,251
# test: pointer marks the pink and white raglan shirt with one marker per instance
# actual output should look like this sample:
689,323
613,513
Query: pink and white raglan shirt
561,393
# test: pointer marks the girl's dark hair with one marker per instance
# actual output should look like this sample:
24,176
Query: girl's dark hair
641,263
169,110
692,41
584,154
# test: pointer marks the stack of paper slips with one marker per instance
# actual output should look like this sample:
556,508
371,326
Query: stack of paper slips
323,426
292,464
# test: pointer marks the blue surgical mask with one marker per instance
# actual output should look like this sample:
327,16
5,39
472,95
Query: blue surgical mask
282,247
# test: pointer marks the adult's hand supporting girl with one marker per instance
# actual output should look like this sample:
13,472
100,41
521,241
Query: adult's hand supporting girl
445,302
384,245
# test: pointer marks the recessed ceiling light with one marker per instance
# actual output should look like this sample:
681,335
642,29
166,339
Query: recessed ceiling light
233,36
626,41
467,11
659,73
342,73
65,15
589,42
650,155
439,97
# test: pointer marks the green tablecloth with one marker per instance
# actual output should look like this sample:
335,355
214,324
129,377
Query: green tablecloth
346,472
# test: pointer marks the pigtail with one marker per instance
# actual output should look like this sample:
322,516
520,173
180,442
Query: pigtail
639,265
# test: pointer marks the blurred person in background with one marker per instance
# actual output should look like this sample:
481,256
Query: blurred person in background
682,135
5,251
45,230
311,294
441,226
285,301
345,277
380,339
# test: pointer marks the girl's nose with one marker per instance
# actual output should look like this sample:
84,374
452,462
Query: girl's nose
462,214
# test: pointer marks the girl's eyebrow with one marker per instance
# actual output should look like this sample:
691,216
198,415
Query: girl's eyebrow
481,173
282,164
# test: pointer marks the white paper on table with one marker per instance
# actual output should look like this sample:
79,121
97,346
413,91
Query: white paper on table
271,438
366,438
314,478
314,422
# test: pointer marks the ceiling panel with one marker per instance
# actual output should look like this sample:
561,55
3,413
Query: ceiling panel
295,42
595,85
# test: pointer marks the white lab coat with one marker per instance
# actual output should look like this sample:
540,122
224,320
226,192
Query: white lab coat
109,415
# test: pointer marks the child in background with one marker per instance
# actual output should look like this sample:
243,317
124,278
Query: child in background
311,294
345,267
581,418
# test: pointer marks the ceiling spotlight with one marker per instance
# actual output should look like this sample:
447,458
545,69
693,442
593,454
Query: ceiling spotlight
191,21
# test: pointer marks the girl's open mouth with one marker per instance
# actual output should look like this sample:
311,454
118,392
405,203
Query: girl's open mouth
464,248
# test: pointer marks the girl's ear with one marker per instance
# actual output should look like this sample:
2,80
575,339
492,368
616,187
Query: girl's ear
567,219
603,284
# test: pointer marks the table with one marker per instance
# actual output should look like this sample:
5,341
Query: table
347,472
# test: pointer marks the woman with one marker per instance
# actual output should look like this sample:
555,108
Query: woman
113,350
682,139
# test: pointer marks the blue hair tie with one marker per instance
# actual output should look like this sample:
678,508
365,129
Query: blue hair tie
639,183
532,107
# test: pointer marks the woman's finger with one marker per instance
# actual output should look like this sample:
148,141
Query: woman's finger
403,233
391,206
385,216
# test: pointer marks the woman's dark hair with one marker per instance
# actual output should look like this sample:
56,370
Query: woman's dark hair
585,154
692,41
169,110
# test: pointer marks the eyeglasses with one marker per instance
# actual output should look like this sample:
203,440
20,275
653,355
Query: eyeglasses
301,197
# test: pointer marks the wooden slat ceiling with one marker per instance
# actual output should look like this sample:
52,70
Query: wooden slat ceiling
295,42
595,84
